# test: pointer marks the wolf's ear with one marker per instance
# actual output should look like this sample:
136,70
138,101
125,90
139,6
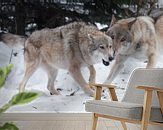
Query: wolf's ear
113,21
131,23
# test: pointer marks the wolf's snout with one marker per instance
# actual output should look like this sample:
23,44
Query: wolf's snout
106,63
111,58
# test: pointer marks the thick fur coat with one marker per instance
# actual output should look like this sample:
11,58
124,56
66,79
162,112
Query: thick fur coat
67,47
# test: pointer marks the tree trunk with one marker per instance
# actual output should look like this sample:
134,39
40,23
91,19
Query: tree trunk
20,17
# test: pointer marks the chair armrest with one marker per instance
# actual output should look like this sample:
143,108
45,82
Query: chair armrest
150,88
99,91
103,85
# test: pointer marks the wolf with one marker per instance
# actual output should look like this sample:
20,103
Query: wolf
69,47
139,37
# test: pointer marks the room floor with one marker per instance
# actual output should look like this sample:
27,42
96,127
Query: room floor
71,125
60,121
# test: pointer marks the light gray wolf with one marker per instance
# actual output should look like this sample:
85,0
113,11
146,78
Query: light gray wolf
139,37
67,47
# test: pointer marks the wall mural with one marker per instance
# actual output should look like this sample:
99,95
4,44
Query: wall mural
58,55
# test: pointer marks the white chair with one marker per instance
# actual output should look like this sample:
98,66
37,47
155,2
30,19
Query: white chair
141,104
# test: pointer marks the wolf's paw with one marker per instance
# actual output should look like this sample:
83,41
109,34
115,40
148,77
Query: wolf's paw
89,92
54,92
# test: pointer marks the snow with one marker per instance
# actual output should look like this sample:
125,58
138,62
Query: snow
57,103
101,26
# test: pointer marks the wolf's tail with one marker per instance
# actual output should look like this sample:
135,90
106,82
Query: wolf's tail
12,40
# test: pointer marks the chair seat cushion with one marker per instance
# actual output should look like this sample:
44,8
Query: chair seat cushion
125,110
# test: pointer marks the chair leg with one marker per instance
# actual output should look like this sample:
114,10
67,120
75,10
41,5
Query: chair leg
146,109
94,123
124,125
144,126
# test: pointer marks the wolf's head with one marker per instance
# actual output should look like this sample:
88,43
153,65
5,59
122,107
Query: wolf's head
120,32
101,48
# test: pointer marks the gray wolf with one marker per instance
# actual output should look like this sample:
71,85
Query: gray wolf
139,37
67,47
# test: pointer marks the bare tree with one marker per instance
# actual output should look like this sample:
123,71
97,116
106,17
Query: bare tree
20,17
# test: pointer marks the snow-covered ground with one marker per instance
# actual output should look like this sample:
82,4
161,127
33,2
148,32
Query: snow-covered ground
58,103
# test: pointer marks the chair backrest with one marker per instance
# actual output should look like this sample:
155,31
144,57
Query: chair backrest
148,77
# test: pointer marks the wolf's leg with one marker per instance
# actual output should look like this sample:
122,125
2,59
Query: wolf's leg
76,74
117,67
92,77
151,61
52,75
151,55
31,67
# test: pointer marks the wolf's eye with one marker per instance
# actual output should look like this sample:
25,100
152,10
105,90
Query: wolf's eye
110,46
102,47
123,39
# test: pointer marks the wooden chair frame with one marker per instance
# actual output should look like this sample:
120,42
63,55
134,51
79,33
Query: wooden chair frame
146,106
